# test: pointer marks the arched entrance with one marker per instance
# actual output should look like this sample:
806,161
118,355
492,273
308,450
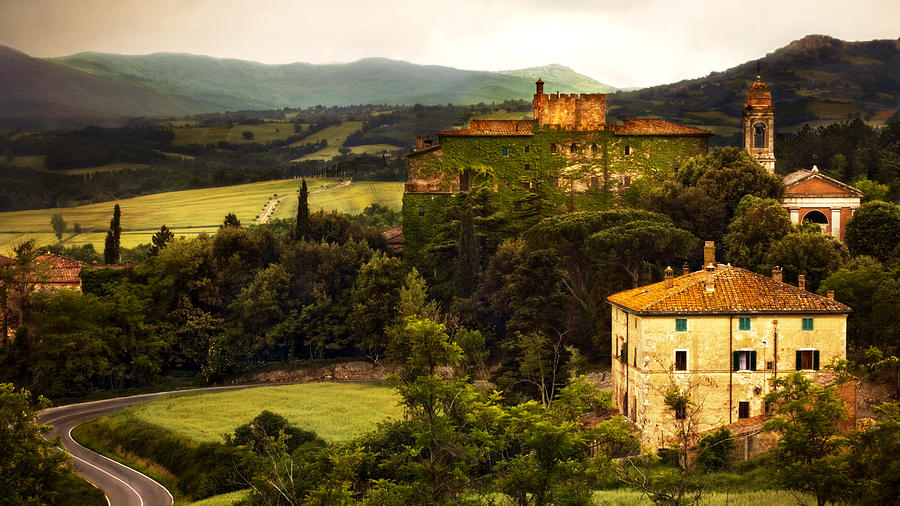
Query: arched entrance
818,218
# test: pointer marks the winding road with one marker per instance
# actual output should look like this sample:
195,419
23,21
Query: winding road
121,484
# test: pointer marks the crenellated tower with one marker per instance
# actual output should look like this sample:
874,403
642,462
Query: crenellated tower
759,125
585,111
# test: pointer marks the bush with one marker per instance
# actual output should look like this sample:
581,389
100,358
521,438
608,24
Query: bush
715,450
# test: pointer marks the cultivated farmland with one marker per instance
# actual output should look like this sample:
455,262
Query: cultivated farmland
191,212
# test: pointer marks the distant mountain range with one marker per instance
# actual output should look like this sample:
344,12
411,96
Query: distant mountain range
814,79
165,84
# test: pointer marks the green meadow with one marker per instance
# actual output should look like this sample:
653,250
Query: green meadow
191,212
335,411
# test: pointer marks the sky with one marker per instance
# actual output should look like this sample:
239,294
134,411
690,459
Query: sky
624,43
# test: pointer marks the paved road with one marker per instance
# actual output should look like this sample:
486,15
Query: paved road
121,484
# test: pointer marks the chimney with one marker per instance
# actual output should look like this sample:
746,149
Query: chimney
670,277
428,141
777,273
418,142
710,277
709,253
831,294
801,281
685,269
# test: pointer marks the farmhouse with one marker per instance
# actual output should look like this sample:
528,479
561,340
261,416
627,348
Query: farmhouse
556,159
719,335
48,272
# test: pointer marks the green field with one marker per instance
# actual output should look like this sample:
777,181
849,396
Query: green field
336,135
263,132
191,212
335,411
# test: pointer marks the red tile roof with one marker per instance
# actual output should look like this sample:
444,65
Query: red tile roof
656,127
797,177
492,127
60,269
735,290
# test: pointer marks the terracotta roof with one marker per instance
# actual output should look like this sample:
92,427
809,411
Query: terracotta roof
656,127
393,236
489,127
758,93
736,290
6,261
799,176
60,269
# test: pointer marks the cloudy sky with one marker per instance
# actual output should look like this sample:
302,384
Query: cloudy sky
620,42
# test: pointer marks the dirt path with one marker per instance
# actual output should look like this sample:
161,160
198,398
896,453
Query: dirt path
274,203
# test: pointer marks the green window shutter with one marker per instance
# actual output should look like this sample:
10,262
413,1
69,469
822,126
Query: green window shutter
807,324
816,360
736,360
753,360
744,324
799,360
680,324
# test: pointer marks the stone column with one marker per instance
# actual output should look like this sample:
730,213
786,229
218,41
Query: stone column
836,223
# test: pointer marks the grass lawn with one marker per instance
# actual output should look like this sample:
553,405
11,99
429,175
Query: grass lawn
263,132
190,212
335,134
221,500
628,497
335,411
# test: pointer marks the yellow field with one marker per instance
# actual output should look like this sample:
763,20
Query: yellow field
30,161
332,151
264,132
191,212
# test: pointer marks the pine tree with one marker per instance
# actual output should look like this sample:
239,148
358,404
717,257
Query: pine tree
161,239
113,237
302,227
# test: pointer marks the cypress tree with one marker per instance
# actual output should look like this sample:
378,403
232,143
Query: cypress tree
113,237
302,227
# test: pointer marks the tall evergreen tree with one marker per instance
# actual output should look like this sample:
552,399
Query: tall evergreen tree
302,227
113,237
161,239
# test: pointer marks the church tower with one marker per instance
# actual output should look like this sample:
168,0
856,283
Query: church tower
759,125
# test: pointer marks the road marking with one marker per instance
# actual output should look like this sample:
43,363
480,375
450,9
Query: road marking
107,472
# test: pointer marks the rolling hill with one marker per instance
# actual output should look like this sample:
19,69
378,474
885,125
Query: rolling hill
164,84
817,79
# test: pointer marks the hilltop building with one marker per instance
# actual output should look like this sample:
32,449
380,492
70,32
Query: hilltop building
719,334
565,151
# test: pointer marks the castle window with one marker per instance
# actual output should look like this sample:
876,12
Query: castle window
527,148
573,148
527,166
807,324
421,211
681,360
759,135
594,149
743,409
744,360
626,182
744,324
807,360
527,185
504,150
680,324
628,150
595,181
553,149
464,181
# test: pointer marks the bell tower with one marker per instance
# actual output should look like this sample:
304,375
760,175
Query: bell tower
759,125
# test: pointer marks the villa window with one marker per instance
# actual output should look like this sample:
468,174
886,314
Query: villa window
504,150
681,360
807,360
527,149
594,149
680,324
744,324
743,409
553,149
807,324
744,360
573,148
421,211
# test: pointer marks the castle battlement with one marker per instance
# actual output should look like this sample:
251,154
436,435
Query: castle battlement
569,111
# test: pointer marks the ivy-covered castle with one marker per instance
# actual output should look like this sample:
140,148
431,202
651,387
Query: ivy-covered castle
562,156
